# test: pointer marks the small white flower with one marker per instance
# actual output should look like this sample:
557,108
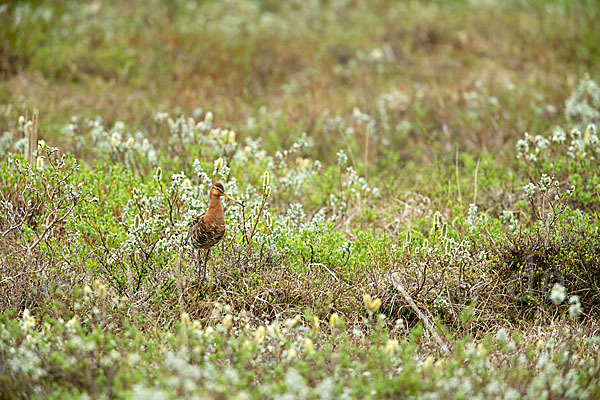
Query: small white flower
375,304
559,135
273,331
130,142
540,344
186,184
39,163
502,336
391,346
372,305
512,394
291,353
376,54
227,321
575,307
27,321
161,117
558,294
472,220
428,363
522,146
314,326
529,190
399,324
259,335
208,331
342,158
100,289
334,320
545,182
185,319
292,322
531,157
541,142
231,138
72,324
309,346
115,139
224,134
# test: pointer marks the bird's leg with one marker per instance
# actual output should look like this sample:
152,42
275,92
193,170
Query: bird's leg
199,265
206,259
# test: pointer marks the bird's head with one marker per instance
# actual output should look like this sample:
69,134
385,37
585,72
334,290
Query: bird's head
218,190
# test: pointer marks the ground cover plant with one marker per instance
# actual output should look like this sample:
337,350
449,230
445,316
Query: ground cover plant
420,186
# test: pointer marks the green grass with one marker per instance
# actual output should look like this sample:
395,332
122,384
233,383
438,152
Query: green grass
394,138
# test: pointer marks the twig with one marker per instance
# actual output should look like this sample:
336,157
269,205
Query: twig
457,178
18,225
324,266
262,206
244,225
426,322
475,183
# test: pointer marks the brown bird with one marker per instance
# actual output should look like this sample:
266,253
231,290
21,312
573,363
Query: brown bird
207,229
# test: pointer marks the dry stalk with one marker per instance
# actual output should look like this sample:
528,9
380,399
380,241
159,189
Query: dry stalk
422,316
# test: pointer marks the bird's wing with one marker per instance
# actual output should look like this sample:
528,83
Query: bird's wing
198,219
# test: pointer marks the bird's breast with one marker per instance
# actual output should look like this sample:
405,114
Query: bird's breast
206,232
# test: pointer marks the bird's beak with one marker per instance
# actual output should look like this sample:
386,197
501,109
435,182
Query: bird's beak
232,199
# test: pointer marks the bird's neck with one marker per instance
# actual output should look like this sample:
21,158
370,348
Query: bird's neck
214,204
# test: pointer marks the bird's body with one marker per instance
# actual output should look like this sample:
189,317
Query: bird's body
208,229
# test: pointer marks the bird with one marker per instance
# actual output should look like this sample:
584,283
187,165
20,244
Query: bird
208,229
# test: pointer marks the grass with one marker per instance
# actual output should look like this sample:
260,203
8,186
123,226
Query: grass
420,181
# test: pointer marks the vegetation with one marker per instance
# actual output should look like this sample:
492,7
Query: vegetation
421,194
